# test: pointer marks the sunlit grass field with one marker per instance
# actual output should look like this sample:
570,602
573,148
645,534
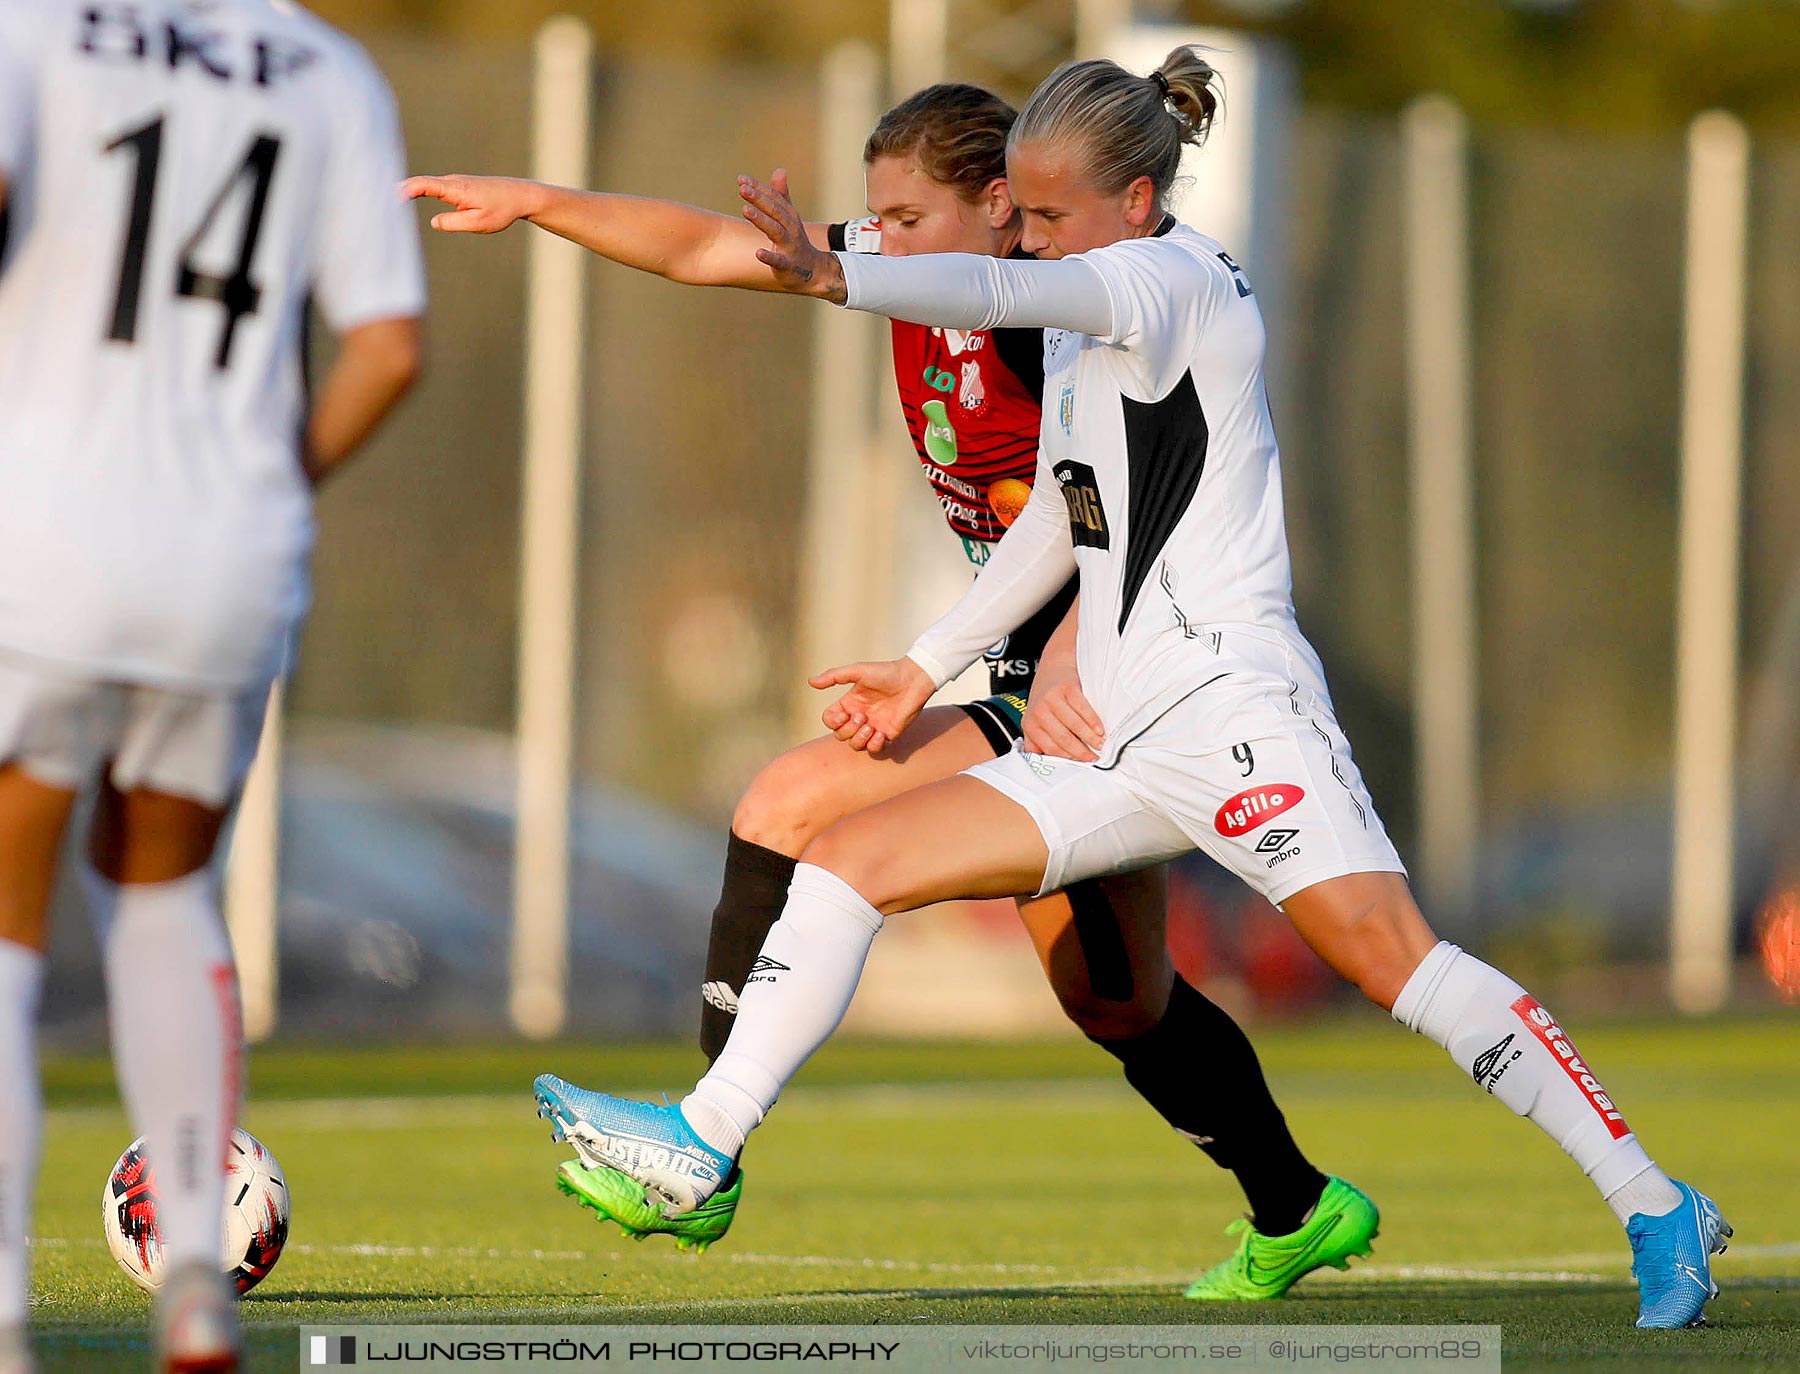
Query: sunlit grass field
1020,1184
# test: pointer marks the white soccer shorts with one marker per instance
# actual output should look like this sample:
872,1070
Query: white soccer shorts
63,730
1283,809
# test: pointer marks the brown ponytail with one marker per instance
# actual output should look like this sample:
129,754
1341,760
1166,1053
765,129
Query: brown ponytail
1193,91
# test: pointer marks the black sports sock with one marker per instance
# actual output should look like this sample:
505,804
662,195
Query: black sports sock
750,902
1198,1069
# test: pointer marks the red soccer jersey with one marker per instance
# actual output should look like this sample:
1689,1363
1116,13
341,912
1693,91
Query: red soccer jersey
973,403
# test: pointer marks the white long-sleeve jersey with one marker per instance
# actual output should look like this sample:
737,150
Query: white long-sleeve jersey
181,176
1158,473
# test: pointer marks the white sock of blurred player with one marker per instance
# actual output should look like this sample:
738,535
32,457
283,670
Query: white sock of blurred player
177,1040
21,1121
1516,1050
796,993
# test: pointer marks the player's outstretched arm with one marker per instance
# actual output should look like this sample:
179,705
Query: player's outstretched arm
680,242
952,290
377,364
884,698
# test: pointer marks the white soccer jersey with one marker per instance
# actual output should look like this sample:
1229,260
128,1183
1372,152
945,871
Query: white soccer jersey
1158,477
1158,470
181,178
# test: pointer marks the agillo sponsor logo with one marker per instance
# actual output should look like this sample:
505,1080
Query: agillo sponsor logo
1556,1040
1248,810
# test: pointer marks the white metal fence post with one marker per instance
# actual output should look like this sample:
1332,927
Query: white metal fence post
840,573
1444,647
549,544
1706,662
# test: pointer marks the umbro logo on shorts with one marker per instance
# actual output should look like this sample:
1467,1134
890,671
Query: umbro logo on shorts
1276,840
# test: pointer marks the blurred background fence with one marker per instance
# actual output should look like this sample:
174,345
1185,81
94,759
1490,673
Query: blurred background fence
700,433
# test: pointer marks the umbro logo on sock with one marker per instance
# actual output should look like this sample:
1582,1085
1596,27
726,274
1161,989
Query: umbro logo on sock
1491,1065
765,969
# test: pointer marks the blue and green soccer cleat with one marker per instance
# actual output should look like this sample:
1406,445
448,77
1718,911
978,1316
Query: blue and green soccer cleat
619,1198
1343,1223
651,1142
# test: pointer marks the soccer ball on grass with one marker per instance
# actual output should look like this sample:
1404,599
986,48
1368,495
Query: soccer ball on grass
256,1214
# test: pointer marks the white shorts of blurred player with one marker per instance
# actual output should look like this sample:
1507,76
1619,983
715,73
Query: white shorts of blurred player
1252,769
63,730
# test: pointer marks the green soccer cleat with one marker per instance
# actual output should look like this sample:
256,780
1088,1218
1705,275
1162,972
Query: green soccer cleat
1342,1224
619,1198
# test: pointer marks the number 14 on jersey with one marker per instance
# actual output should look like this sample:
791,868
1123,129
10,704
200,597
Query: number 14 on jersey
237,293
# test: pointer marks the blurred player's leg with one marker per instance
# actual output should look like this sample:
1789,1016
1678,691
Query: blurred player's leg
1367,926
33,817
177,1043
797,797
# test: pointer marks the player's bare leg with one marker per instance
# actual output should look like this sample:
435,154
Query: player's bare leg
1368,928
1104,948
177,1045
33,817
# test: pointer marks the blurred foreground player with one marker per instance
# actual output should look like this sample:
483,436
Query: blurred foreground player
177,180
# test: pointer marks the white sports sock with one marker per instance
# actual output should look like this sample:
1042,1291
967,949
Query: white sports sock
21,1121
1651,1193
797,992
1515,1049
178,1050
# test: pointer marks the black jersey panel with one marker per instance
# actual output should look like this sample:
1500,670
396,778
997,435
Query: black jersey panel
1165,448
1022,350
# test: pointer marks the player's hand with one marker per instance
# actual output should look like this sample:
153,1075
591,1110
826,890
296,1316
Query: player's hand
484,205
882,701
1060,722
798,266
